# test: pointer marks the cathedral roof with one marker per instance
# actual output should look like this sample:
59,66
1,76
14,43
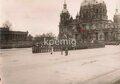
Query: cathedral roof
87,2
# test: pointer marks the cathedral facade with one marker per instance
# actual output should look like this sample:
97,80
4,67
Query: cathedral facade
90,24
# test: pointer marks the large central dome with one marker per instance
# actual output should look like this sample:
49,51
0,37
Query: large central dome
88,2
93,10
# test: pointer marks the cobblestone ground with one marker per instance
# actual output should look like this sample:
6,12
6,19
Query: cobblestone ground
89,66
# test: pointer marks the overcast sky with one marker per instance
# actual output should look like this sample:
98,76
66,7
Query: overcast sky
42,16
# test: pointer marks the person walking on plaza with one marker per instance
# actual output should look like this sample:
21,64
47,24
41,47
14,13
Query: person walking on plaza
51,50
61,50
66,51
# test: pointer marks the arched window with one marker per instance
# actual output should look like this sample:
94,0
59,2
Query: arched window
97,11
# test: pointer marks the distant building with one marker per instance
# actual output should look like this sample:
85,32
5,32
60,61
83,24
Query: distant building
9,36
90,24
11,39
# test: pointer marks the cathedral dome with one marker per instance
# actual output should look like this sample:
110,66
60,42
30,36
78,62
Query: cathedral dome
93,10
91,2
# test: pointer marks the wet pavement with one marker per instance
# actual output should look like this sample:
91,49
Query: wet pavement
88,66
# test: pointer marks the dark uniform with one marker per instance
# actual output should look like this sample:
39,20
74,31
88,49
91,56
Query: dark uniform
66,51
61,50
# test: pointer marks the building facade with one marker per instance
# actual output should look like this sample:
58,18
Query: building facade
12,36
90,24
14,39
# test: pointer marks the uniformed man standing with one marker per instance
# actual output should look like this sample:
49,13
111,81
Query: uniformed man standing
61,50
51,50
66,51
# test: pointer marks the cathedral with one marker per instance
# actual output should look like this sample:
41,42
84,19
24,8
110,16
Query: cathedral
91,23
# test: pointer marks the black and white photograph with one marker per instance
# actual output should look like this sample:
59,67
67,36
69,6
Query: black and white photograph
59,41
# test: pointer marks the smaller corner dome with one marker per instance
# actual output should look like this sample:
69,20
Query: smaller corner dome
117,12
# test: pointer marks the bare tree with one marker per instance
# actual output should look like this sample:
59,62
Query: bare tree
7,24
40,38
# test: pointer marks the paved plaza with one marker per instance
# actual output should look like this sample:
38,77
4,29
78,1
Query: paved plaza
88,66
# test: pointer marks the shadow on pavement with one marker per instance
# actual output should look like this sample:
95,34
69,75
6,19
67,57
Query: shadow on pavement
117,82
